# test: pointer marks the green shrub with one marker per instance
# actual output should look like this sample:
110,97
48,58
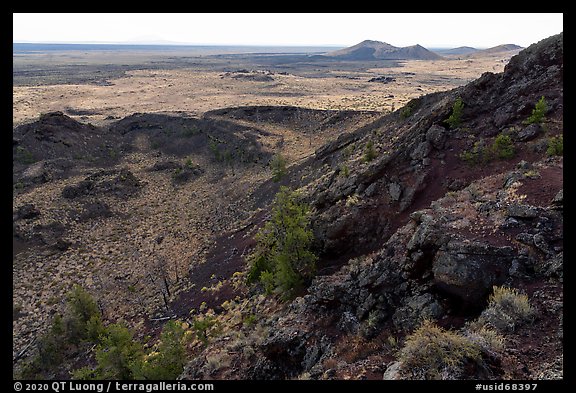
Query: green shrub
118,355
538,112
80,322
250,320
408,109
215,149
267,281
283,259
278,165
23,156
456,116
503,147
405,112
49,351
189,131
477,154
555,146
166,361
369,152
348,150
202,326
83,320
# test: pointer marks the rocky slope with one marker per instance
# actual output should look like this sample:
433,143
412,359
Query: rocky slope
406,226
419,233
125,210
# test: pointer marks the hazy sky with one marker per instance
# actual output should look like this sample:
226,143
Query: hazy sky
342,29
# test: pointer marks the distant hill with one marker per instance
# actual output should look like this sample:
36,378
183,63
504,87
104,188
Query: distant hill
511,48
502,48
376,50
461,50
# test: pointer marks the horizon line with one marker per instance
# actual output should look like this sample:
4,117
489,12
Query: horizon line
176,44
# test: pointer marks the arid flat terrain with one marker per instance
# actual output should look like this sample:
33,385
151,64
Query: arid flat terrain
94,86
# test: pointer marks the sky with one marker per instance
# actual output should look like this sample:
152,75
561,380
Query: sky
479,30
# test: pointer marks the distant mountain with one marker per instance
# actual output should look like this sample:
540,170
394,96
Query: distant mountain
508,49
502,48
376,50
461,50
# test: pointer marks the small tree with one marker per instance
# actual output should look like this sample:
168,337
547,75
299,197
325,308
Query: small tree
167,361
202,326
503,147
282,259
214,148
369,152
456,116
538,112
408,109
278,165
118,355
555,146
83,320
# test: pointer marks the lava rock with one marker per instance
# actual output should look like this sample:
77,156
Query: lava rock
421,151
382,79
529,133
395,191
27,212
522,211
436,135
469,270
415,309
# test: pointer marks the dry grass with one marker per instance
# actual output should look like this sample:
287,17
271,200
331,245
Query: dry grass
434,353
507,309
196,90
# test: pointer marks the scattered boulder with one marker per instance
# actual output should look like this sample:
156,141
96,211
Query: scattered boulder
552,267
415,309
382,79
82,188
421,151
254,77
436,135
393,371
120,183
395,191
518,210
289,351
27,212
186,173
94,210
49,234
371,190
349,323
428,234
55,135
165,166
529,133
468,270
558,200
